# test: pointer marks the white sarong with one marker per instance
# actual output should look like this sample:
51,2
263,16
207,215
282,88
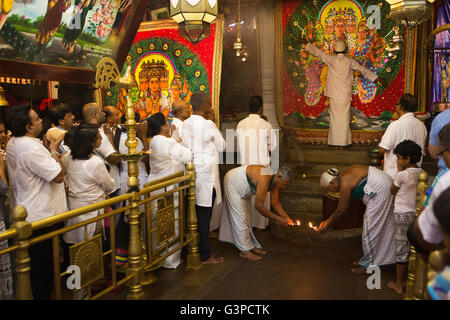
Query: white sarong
235,225
339,133
378,225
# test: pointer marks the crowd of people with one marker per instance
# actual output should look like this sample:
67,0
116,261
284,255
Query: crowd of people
69,165
389,224
65,165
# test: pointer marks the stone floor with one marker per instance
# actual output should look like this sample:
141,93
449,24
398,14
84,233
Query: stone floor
289,271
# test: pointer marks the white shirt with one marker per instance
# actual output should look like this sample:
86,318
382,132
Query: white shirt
405,199
428,224
407,127
104,151
89,179
167,157
89,182
340,73
31,169
176,134
205,141
255,139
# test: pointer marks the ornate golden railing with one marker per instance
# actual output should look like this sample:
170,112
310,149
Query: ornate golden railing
420,272
89,256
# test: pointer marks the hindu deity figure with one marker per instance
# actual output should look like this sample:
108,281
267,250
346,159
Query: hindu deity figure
339,33
363,54
164,86
77,22
52,20
313,68
350,20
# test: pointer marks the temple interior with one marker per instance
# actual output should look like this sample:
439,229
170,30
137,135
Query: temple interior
131,69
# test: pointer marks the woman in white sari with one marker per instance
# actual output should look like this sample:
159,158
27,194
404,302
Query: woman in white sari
167,157
88,181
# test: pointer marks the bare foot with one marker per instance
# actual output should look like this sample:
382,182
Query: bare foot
250,256
213,260
356,263
397,287
359,270
259,251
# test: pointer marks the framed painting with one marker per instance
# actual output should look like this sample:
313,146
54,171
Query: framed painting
301,78
168,68
63,40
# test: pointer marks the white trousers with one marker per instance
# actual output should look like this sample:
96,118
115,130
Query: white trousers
339,133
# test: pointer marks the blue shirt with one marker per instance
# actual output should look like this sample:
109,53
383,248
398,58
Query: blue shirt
438,123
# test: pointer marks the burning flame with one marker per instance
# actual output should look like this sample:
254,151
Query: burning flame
298,222
312,227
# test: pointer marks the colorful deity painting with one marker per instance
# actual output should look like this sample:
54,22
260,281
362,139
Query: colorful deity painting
77,33
163,74
323,23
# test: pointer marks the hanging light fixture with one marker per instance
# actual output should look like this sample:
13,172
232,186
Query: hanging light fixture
410,13
193,17
238,46
397,41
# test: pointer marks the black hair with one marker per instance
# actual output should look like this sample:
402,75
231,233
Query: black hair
137,118
155,123
59,112
81,139
408,102
255,103
198,101
444,136
17,119
441,208
408,148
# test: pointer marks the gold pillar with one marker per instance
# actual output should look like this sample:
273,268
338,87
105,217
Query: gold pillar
193,257
23,285
136,291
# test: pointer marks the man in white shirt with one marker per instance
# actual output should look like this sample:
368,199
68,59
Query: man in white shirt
339,89
32,168
93,114
180,111
205,141
426,234
407,127
256,140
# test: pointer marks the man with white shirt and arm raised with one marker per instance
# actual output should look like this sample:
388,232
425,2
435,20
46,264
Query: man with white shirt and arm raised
33,167
339,89
205,141
256,140
407,127
180,111
93,114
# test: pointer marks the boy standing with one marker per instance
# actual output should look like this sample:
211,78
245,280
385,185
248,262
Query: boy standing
404,188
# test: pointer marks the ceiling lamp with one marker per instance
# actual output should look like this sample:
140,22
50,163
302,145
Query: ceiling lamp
238,45
193,17
410,13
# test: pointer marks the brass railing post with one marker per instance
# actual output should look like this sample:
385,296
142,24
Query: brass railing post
135,264
23,285
193,257
416,266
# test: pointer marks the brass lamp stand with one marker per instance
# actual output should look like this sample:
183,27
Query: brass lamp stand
108,72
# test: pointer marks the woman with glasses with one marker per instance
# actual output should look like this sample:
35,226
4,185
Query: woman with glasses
372,186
